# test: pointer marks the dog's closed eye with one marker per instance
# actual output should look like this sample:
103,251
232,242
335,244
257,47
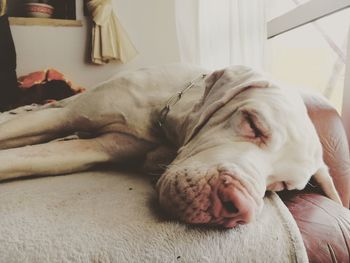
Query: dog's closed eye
254,131
253,127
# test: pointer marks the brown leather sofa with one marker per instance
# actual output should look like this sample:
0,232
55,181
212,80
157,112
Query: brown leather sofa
325,225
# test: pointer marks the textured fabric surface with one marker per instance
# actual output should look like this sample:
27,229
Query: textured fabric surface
44,86
110,216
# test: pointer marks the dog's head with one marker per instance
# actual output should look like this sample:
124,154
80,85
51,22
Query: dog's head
245,136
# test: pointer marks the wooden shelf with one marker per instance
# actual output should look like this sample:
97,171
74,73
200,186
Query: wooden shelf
33,21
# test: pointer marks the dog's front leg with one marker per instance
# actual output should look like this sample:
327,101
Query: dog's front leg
62,157
34,127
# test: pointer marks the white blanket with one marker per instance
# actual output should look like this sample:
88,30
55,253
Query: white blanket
110,216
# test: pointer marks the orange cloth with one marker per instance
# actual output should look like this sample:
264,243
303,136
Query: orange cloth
43,76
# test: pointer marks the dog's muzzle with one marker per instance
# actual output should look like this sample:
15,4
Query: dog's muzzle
215,196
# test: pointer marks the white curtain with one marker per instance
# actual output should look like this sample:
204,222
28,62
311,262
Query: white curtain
219,33
110,42
2,7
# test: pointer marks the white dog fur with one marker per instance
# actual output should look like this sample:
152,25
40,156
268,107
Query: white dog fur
236,132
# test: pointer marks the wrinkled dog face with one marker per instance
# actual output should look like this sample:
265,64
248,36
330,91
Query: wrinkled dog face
244,137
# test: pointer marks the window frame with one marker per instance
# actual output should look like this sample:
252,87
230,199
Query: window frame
346,91
304,14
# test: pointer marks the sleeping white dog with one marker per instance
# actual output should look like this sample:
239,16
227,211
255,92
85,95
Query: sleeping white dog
236,135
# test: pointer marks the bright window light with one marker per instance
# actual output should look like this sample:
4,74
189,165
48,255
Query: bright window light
311,56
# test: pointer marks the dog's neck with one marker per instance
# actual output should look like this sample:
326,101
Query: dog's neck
175,124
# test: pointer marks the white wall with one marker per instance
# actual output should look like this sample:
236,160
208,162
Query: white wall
150,25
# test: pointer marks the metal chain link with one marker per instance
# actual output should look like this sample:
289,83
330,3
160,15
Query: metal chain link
175,98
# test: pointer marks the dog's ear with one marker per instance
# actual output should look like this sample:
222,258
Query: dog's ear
324,180
221,87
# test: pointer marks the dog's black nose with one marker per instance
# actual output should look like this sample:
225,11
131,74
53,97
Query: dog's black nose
230,207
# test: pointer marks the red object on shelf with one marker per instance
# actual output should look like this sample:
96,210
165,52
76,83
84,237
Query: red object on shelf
39,10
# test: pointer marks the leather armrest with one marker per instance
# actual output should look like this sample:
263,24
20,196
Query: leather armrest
332,135
323,224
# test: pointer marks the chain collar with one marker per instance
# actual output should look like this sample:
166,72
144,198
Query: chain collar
175,98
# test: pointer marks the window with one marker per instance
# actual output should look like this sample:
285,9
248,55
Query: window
312,55
276,8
